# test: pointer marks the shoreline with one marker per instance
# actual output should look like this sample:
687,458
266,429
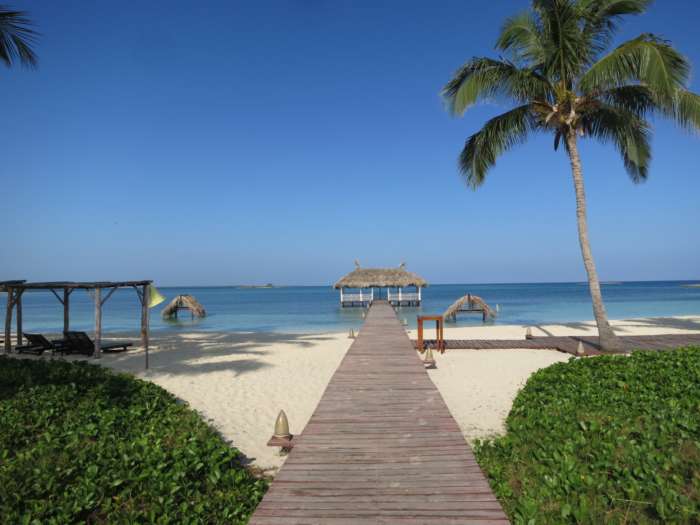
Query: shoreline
238,381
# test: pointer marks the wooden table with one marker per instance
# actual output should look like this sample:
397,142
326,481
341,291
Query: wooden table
439,332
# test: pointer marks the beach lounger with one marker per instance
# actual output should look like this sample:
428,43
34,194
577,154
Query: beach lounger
80,343
38,344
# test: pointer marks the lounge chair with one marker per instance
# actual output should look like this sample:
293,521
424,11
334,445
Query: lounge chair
38,344
80,343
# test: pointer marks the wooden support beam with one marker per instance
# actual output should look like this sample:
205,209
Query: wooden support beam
109,294
8,320
139,293
144,320
66,309
18,305
58,296
98,323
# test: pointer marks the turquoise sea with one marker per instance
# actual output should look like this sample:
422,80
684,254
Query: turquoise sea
297,309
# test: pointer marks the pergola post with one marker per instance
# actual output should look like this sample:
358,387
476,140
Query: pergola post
66,309
8,321
18,304
98,322
145,296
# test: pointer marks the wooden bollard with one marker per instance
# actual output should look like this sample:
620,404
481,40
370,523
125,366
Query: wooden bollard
528,333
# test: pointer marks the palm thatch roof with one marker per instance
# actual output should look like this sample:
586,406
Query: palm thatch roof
183,302
380,278
468,302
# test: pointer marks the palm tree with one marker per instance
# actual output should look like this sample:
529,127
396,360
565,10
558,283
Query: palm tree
559,72
16,38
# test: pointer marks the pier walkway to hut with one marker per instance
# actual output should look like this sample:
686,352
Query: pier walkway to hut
381,446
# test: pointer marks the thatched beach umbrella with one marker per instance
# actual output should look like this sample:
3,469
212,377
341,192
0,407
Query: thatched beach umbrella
473,303
184,302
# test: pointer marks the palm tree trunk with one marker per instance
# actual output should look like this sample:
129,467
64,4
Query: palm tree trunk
607,338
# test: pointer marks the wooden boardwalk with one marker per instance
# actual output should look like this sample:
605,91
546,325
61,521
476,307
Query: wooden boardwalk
570,344
381,446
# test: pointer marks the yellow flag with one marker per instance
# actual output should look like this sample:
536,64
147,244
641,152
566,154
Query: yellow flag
154,297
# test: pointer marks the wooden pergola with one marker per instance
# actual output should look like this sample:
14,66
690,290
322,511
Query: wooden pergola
63,290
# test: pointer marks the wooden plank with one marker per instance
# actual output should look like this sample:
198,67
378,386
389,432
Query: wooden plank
381,446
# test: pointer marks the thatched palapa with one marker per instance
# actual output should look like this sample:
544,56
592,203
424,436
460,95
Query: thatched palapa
371,278
381,278
184,302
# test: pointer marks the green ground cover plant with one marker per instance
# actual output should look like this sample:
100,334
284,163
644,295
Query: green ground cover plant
609,439
81,444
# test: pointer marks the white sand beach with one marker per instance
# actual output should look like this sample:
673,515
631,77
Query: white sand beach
239,381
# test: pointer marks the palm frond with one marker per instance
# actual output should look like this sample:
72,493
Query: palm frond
601,18
630,134
498,135
566,47
484,78
16,38
646,59
683,107
687,109
635,99
521,39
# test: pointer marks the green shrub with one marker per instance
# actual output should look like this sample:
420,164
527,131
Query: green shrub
79,443
609,439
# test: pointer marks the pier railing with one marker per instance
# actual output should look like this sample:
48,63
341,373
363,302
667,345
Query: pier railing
402,296
360,297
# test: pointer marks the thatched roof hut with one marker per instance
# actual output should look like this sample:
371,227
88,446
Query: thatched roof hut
184,302
469,303
380,278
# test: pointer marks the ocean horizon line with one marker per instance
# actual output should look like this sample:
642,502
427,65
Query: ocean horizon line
608,282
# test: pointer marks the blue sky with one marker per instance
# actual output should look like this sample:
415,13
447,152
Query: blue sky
204,143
